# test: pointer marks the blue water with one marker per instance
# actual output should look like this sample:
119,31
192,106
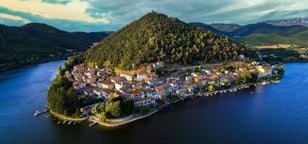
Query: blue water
276,113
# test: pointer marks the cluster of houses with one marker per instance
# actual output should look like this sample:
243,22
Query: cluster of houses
145,88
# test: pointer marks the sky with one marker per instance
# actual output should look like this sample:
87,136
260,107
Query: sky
111,15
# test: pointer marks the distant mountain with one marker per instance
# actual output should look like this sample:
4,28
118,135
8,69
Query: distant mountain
157,37
218,28
225,27
289,22
264,28
263,33
34,43
208,27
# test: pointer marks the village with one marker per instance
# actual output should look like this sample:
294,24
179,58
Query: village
147,88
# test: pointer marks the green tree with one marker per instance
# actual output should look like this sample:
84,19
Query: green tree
246,76
62,97
144,110
197,69
60,70
103,117
226,82
128,107
211,88
97,109
77,113
238,80
206,85
117,107
280,70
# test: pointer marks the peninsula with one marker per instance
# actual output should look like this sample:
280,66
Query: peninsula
149,64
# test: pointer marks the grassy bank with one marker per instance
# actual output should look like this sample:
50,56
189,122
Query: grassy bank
63,117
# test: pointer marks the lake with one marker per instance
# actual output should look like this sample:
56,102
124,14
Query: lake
275,113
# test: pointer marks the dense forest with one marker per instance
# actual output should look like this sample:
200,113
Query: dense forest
34,43
157,37
62,98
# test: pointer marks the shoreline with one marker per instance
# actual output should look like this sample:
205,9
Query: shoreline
135,117
130,120
63,117
17,67
235,88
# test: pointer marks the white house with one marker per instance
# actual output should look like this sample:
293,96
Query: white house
144,102
128,77
142,76
158,65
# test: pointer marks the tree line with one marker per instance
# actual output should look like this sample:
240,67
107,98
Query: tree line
114,108
62,98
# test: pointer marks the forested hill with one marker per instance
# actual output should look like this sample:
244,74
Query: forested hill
156,37
35,43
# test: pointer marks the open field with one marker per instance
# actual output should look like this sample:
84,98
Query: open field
140,70
276,46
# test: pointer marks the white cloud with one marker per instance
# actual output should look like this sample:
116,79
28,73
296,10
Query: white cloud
117,13
13,17
74,10
239,11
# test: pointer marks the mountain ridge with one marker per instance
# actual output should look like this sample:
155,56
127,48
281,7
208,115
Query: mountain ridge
226,27
33,43
264,28
264,33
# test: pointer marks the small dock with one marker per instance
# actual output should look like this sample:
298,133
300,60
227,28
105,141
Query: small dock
64,122
93,124
67,122
180,97
40,112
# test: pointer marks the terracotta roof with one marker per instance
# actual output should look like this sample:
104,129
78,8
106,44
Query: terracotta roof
136,92
152,74
160,88
106,82
265,68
